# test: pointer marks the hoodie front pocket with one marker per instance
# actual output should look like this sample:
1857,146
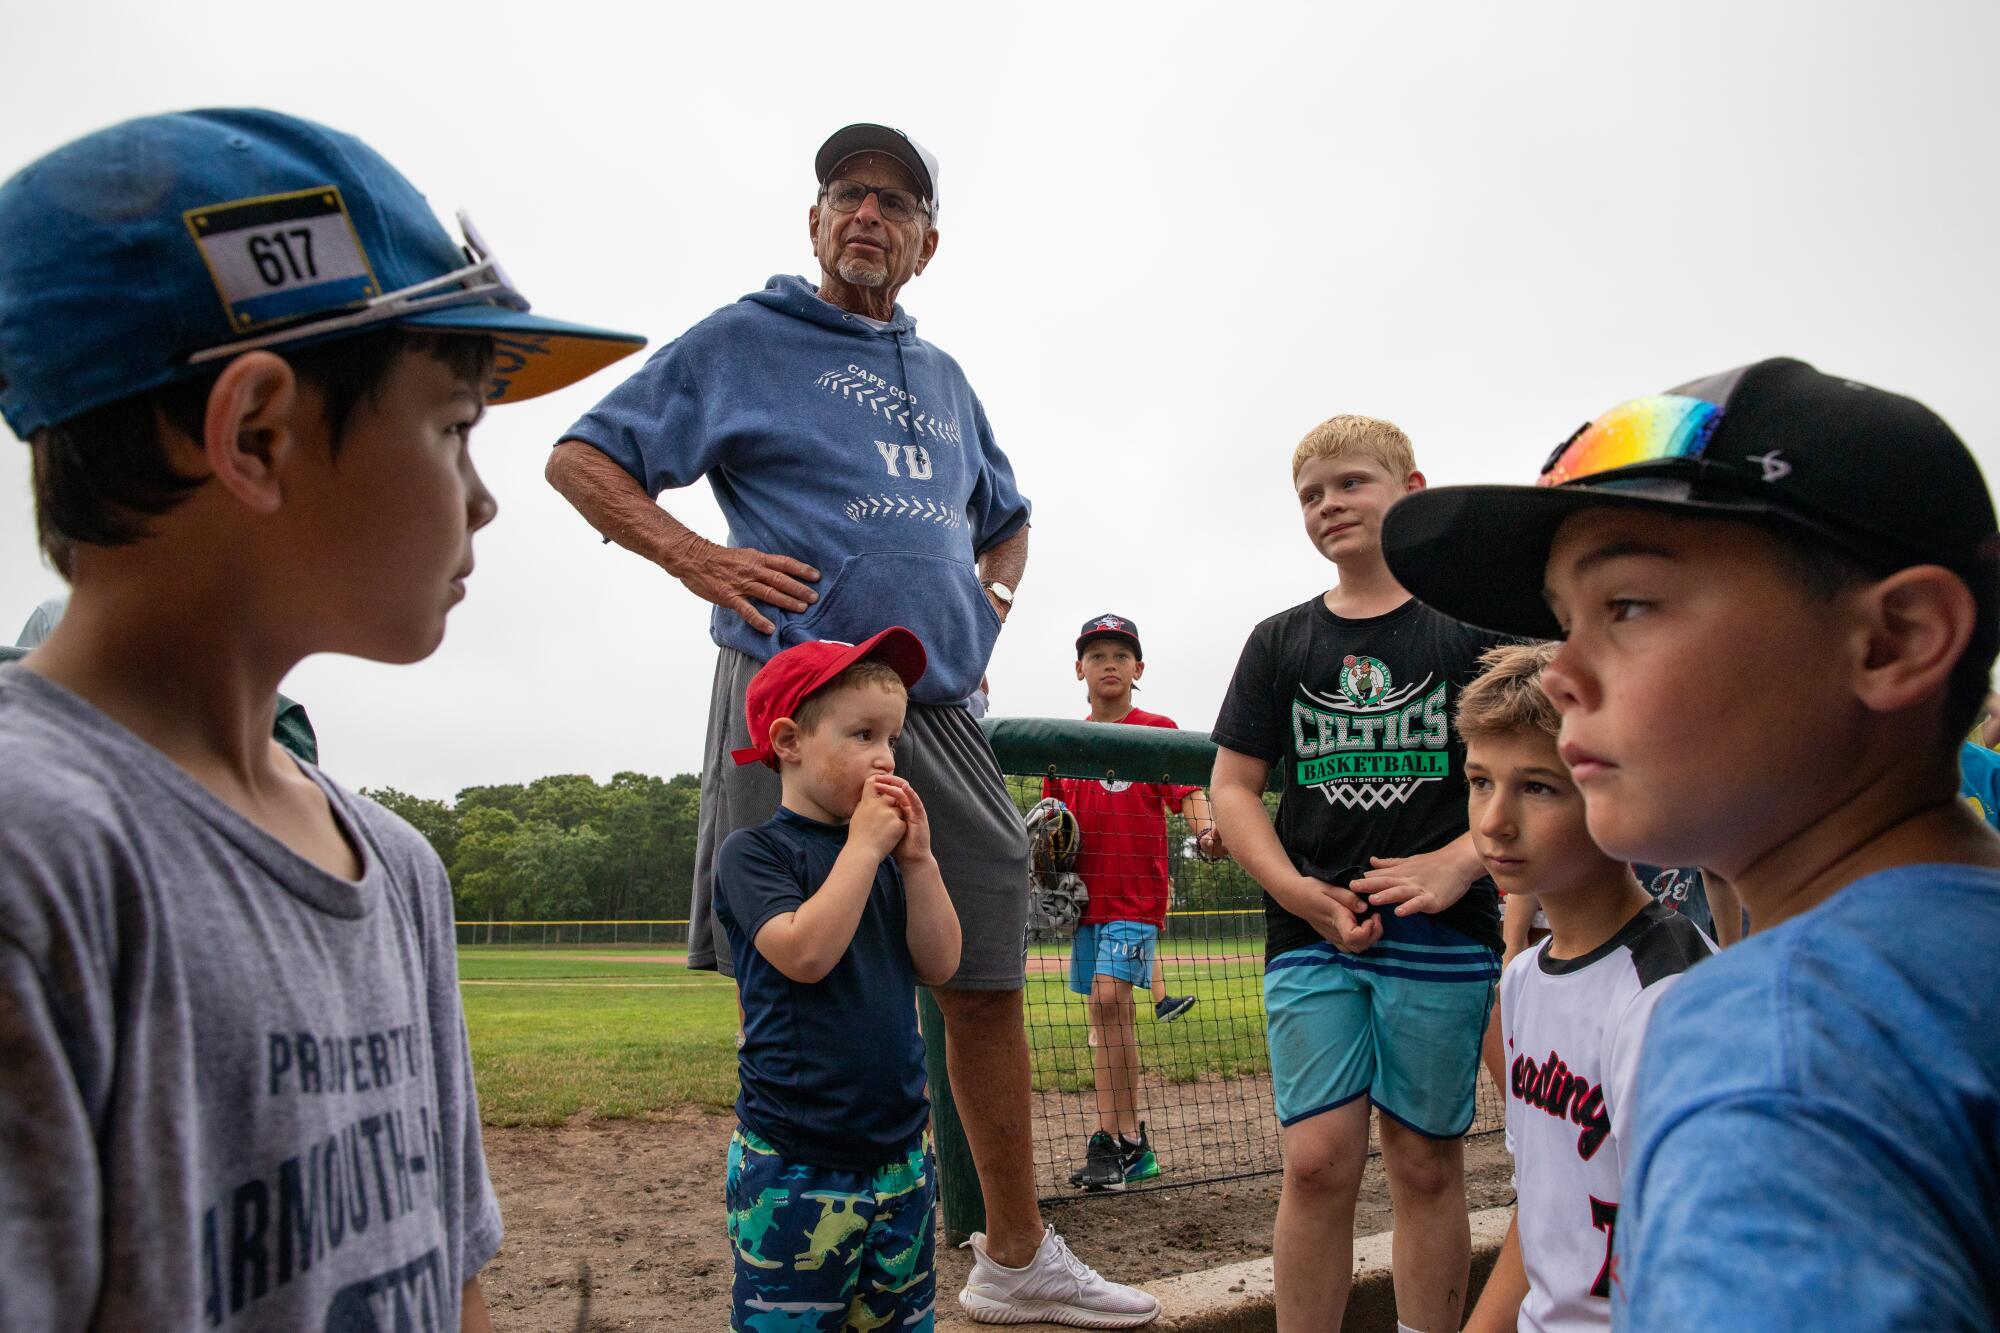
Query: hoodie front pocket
938,600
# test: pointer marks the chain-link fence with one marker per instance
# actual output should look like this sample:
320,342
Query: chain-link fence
667,936
1157,1029
1147,1022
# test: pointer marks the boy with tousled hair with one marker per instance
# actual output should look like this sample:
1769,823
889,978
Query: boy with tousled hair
1573,1010
247,361
1779,595
1367,1007
834,910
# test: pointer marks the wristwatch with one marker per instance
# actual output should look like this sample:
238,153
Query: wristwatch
1001,592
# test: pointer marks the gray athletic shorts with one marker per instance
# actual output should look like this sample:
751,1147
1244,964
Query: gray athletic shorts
976,833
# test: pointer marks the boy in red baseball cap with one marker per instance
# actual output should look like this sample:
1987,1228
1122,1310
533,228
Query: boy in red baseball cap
834,910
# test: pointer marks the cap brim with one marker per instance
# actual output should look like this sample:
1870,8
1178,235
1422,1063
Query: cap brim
1480,554
532,355
1132,639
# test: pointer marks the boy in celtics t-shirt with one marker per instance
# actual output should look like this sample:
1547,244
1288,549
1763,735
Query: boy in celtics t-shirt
1123,862
1383,941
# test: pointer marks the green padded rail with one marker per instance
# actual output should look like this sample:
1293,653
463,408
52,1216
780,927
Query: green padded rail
1064,748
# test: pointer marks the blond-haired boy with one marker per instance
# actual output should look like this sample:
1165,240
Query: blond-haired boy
1352,692
1779,594
1573,1010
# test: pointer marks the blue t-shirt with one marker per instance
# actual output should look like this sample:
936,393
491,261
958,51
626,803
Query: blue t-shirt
1979,781
1818,1135
860,450
832,1072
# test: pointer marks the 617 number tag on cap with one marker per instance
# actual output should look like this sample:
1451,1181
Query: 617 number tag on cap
283,256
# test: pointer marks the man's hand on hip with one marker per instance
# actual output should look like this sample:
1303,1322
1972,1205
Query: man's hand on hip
614,503
735,577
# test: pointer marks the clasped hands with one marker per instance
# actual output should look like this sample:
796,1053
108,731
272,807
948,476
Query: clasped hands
1349,917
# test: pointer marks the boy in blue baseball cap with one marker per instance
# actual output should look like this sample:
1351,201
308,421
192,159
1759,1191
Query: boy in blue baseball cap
246,359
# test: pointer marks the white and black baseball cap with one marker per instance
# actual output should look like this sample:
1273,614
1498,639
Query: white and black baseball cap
866,137
1875,476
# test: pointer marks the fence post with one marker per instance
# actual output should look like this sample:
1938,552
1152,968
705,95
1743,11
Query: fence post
958,1181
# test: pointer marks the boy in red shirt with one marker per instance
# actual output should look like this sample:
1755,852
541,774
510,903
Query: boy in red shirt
1123,862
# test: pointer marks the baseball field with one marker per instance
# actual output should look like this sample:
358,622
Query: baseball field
606,1074
615,1032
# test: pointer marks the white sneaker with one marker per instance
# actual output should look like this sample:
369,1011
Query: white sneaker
1055,1288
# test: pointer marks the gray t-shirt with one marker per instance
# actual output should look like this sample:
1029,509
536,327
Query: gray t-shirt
235,1090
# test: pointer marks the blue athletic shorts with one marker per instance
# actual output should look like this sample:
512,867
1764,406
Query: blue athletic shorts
1400,1023
1121,949
819,1249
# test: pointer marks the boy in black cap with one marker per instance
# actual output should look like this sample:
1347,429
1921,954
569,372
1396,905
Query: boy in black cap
1123,863
247,361
1777,591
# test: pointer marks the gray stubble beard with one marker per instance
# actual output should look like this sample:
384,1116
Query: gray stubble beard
857,273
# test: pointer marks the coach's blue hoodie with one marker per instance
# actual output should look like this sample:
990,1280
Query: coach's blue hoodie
861,451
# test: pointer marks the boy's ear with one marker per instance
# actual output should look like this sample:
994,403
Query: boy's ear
1138,670
1414,483
1079,668
784,739
1919,622
251,428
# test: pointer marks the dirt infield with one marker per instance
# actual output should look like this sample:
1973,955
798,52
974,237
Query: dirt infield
1209,1128
640,1203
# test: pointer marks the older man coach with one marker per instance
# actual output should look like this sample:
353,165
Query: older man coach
863,489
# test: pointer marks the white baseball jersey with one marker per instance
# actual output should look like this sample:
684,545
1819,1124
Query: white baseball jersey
1573,1029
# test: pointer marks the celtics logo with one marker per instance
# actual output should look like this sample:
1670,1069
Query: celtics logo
1370,743
1364,680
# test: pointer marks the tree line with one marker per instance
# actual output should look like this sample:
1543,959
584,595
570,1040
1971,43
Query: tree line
563,848
568,848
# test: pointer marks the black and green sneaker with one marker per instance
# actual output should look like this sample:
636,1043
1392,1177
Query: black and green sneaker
1103,1165
1137,1159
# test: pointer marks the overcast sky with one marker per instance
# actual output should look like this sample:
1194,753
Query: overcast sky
1175,236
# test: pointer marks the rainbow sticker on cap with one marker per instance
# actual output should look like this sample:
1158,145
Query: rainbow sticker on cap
1646,430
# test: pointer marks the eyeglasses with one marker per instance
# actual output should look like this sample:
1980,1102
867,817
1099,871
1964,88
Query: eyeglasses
480,281
846,196
1661,429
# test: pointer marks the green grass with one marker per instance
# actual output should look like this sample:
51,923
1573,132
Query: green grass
1222,1037
555,1032
505,964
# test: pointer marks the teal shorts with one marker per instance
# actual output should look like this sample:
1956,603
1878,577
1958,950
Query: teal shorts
1121,949
1400,1023
823,1249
